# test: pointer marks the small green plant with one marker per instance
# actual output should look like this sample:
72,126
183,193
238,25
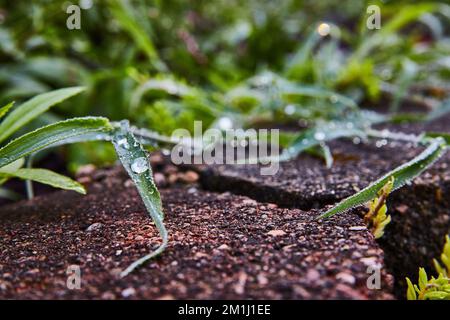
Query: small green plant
15,120
433,288
127,144
376,219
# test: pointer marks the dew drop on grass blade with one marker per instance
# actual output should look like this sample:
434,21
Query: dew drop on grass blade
135,161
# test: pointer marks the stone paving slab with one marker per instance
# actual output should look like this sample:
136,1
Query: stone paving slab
420,211
222,246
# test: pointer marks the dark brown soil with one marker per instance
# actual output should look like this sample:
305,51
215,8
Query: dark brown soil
221,246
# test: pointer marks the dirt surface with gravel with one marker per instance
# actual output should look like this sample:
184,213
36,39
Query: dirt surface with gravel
228,246
222,246
420,211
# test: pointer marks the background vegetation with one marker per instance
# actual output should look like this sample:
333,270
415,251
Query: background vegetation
163,64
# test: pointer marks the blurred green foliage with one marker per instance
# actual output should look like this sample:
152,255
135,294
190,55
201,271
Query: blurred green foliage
163,64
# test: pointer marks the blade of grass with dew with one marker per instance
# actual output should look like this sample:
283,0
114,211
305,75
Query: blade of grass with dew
136,163
47,136
33,108
318,135
402,175
434,135
308,91
46,177
4,110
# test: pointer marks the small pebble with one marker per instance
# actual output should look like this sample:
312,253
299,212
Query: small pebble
128,292
357,228
94,227
346,277
276,233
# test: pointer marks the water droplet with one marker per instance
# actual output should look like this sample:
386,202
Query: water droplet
125,125
319,136
324,29
381,143
123,142
357,140
289,109
225,123
140,165
333,98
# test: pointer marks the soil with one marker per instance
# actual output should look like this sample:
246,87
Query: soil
421,211
222,246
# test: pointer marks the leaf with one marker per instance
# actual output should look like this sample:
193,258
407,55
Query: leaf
135,161
135,25
33,108
410,292
47,136
401,174
318,135
434,135
8,194
296,65
423,279
5,109
46,177
436,295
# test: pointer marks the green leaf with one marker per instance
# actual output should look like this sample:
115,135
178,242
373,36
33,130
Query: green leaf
47,136
129,19
436,295
135,161
33,108
5,109
423,279
8,194
410,292
402,175
434,135
297,65
318,135
46,177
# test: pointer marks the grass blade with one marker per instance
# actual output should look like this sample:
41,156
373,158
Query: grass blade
318,135
434,135
5,109
46,177
135,161
402,175
51,134
33,108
